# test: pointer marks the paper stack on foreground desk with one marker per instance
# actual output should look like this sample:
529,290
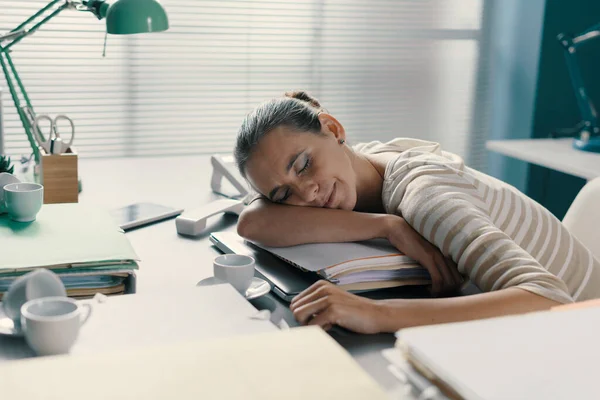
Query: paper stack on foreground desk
81,244
543,355
302,363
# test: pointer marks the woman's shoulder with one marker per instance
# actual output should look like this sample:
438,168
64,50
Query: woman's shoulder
397,145
407,153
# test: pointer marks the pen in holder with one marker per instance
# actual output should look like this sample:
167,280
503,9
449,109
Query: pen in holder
59,176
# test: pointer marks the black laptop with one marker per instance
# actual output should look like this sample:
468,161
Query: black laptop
287,281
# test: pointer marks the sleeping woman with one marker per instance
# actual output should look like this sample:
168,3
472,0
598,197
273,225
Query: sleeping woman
459,223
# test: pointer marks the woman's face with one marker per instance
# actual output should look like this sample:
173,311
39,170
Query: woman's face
305,169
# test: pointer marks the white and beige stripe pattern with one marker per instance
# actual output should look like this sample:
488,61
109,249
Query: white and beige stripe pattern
498,236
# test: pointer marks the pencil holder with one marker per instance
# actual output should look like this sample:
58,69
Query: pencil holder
59,176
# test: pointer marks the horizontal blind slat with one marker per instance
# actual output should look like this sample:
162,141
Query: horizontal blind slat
385,68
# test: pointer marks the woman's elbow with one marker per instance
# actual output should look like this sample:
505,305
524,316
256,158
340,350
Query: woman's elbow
246,225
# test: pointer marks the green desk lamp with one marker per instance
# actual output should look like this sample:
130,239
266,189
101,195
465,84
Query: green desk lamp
123,17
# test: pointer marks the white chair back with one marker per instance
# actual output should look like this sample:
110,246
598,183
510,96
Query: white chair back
583,217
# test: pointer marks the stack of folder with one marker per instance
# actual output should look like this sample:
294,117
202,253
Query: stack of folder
355,266
83,245
538,355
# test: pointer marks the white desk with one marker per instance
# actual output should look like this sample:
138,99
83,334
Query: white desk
557,154
185,182
174,262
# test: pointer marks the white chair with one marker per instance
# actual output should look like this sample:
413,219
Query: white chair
583,217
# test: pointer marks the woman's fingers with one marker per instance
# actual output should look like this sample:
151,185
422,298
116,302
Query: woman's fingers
437,282
428,261
305,313
312,288
448,278
329,305
454,270
300,301
325,319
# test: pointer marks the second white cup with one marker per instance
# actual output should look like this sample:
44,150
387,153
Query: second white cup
51,324
23,200
237,269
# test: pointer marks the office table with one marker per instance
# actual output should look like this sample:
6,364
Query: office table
171,261
557,154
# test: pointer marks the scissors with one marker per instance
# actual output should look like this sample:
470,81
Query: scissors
54,143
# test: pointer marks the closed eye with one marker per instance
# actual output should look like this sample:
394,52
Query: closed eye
288,192
306,165
286,196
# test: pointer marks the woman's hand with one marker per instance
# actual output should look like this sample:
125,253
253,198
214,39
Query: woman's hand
445,277
326,305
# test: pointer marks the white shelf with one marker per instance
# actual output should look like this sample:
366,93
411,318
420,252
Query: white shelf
557,154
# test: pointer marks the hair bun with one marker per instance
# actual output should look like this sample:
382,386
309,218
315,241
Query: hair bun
300,95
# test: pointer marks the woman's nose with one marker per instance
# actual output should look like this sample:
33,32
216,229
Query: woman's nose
308,191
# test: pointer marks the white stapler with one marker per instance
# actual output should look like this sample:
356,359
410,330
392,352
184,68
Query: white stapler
193,222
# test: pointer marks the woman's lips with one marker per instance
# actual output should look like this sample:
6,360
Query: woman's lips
331,197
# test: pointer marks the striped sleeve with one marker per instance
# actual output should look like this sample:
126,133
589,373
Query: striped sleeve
442,210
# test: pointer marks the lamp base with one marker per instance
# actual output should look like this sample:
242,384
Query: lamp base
591,144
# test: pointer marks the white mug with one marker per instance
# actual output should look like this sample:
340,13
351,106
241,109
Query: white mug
51,324
33,285
23,200
237,269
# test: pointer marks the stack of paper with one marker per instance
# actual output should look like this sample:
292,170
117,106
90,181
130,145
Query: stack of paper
81,244
302,363
541,355
363,265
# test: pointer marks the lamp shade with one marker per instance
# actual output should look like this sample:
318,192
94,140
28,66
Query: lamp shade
125,17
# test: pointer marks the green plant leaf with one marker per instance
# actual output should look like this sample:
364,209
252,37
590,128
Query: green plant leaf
5,165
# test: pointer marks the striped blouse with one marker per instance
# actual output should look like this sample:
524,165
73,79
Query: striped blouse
497,236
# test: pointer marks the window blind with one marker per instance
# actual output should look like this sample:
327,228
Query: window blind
384,68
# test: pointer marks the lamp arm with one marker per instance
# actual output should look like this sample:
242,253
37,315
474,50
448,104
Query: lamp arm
586,108
26,32
586,35
15,97
97,7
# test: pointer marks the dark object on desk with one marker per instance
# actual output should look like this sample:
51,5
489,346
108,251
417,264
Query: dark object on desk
286,280
589,134
141,214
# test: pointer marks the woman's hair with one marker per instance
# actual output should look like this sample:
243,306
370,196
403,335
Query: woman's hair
296,110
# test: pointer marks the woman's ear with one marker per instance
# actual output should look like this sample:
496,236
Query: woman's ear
331,126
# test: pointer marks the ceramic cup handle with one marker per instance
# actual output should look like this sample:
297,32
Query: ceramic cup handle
87,313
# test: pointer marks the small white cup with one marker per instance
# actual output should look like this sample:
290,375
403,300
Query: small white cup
33,285
51,324
237,269
23,200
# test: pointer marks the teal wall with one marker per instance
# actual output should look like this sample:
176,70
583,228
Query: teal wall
555,103
514,39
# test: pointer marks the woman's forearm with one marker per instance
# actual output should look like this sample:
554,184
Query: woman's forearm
402,313
280,225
